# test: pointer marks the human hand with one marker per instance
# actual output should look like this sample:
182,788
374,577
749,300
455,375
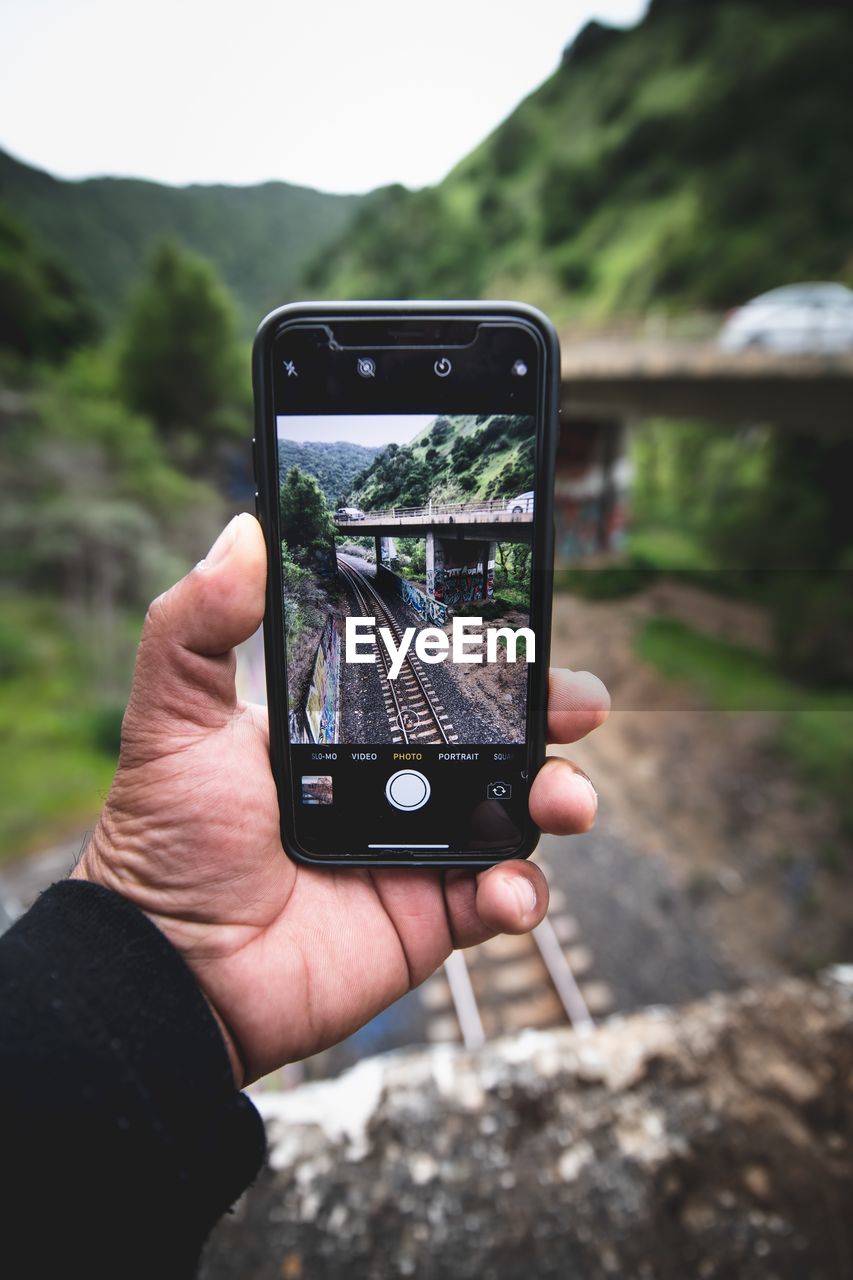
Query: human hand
291,959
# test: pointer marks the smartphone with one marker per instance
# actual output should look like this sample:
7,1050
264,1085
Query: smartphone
404,458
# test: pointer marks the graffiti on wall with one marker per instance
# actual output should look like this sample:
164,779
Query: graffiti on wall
296,726
427,609
318,722
586,526
592,486
387,550
464,584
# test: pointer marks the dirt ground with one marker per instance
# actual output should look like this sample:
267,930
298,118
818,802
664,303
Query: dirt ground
500,685
704,790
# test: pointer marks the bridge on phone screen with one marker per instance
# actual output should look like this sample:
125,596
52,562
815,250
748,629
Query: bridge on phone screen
508,518
461,547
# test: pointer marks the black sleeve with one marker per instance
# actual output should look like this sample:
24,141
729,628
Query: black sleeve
123,1138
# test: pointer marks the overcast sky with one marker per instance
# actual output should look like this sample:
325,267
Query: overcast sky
339,95
363,428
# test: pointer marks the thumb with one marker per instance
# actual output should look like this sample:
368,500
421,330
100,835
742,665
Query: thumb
221,602
185,665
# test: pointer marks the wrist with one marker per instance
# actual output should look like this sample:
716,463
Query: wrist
237,1068
94,866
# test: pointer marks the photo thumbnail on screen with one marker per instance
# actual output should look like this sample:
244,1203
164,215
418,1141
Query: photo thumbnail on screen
407,546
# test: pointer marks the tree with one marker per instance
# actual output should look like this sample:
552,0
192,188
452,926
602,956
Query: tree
44,312
305,520
178,358
299,594
416,486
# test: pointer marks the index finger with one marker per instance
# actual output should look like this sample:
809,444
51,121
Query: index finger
578,702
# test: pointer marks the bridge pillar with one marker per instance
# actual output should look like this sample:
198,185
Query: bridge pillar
459,570
591,488
434,567
489,584
385,551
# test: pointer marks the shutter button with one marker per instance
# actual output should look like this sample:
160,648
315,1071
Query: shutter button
407,790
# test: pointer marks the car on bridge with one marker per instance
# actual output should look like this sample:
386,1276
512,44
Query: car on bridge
344,514
524,502
797,319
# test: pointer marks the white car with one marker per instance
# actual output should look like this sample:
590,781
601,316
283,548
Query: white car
524,502
798,319
344,514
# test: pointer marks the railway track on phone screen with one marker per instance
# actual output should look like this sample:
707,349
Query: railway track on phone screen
415,713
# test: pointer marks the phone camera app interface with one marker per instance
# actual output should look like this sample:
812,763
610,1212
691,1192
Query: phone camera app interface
406,557
407,548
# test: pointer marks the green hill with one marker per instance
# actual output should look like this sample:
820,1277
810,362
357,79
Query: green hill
486,456
333,465
686,163
689,162
259,238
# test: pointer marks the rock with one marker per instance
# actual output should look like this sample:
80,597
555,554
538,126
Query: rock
711,1141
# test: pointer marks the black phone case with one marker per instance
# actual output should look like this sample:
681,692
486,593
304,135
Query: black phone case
264,450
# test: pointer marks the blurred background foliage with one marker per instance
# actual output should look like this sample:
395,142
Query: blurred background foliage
661,175
684,165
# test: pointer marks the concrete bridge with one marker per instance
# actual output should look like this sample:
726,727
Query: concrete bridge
630,380
509,518
608,388
461,546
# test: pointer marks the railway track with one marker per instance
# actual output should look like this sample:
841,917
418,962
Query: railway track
510,983
507,985
414,710
503,987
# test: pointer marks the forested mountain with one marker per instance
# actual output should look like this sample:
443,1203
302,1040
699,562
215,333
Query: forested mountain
259,238
451,460
689,162
43,311
686,163
334,466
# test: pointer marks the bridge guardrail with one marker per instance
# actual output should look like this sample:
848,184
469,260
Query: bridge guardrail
486,507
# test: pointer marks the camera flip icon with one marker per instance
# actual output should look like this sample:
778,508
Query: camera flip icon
498,791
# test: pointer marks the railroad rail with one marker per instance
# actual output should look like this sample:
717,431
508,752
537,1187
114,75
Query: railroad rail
476,979
531,983
415,713
505,986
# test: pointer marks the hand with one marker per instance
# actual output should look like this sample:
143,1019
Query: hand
290,959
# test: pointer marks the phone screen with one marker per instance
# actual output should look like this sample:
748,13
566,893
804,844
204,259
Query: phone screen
407,461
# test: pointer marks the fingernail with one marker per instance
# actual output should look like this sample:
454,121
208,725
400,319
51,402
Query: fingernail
525,892
221,546
588,780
